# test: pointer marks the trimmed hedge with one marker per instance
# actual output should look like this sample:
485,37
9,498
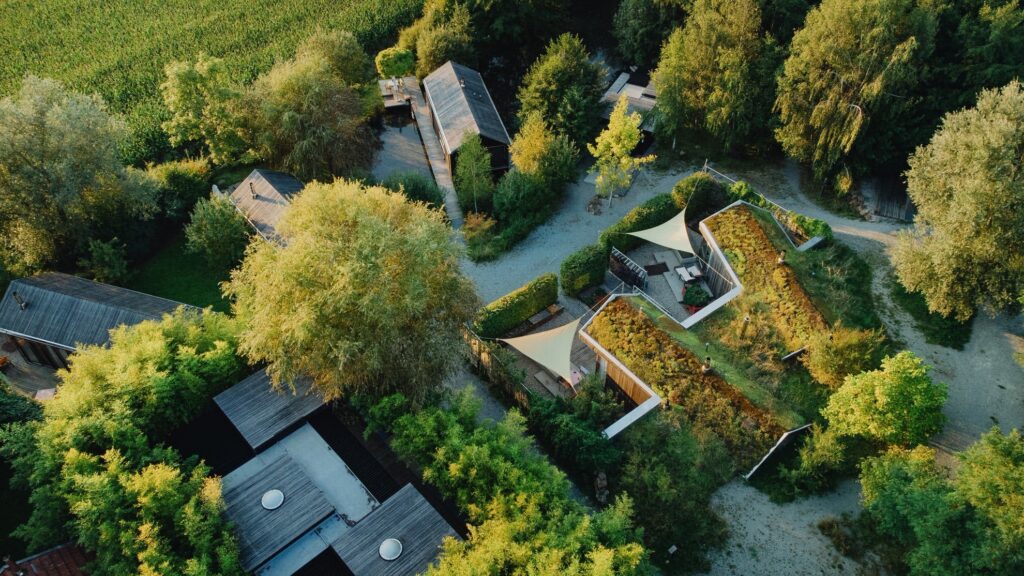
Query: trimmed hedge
584,268
512,309
701,195
655,211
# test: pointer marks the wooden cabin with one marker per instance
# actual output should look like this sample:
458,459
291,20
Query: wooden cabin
460,104
47,317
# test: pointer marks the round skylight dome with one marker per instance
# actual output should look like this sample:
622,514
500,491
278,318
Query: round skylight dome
390,549
272,499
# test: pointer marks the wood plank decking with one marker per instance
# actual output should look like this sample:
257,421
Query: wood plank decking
261,413
438,165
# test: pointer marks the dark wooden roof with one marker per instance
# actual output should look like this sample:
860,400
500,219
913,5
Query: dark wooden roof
262,198
460,102
406,516
263,533
63,560
261,413
67,310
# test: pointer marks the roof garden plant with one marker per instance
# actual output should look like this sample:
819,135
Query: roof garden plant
710,403
755,259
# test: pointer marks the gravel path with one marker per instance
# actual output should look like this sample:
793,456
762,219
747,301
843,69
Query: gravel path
768,539
567,231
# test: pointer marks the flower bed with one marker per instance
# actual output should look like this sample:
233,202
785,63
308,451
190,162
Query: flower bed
710,403
740,235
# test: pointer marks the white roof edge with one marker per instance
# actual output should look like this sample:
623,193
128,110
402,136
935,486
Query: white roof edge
632,416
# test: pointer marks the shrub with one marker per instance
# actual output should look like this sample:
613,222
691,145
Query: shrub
701,194
180,185
821,458
583,268
218,232
519,196
107,261
831,357
16,408
798,223
514,308
474,184
416,186
655,211
395,62
481,242
696,296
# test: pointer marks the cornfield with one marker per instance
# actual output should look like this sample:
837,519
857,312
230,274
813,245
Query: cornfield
118,48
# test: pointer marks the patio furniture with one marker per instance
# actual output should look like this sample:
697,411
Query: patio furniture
684,274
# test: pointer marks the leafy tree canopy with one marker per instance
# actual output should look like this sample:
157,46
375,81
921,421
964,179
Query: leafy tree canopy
641,26
898,404
61,178
201,98
473,182
613,151
967,246
847,80
365,295
217,232
566,88
96,465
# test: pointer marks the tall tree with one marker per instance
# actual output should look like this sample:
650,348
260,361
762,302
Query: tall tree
451,39
343,53
641,26
473,182
61,178
566,88
967,246
991,478
365,296
202,99
217,232
303,117
613,151
718,73
847,81
898,404
538,151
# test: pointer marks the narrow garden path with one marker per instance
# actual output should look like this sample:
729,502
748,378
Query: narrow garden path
435,155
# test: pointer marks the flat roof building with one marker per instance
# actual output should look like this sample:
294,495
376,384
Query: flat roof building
262,199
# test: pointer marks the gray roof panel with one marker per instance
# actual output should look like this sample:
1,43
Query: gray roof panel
460,102
261,413
68,310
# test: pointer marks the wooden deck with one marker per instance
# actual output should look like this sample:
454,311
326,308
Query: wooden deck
432,145
263,533
26,378
406,516
261,413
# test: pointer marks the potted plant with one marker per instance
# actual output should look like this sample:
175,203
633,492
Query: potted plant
695,298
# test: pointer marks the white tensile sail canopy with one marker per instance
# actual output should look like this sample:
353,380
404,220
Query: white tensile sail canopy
671,234
551,349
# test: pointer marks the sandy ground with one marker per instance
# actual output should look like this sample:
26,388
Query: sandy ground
768,539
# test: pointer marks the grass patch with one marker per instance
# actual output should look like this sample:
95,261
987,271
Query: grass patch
936,328
736,377
175,274
836,279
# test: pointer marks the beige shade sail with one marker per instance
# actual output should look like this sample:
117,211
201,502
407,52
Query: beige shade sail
551,348
671,234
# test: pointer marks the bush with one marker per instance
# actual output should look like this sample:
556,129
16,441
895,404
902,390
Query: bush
519,196
701,194
474,184
395,62
481,242
218,232
821,459
831,357
107,261
696,296
181,184
583,268
514,308
15,407
416,186
809,227
655,211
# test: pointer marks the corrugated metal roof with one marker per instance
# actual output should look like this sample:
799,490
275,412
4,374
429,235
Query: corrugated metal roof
66,310
460,102
262,198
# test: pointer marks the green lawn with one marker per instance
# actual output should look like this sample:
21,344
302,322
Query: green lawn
175,274
936,328
732,374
